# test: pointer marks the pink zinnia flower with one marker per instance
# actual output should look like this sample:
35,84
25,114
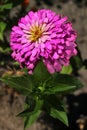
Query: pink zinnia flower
43,35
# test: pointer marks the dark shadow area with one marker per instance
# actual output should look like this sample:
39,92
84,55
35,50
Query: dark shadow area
63,1
48,2
59,6
77,114
85,63
80,3
77,106
5,59
55,124
38,2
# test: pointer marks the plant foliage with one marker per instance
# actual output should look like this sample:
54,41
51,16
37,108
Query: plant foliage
42,92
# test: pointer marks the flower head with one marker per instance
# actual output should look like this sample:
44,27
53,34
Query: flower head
43,35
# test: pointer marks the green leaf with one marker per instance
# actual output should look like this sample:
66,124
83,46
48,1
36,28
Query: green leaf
33,115
29,120
5,6
2,28
39,104
77,62
61,83
40,73
23,84
29,106
28,110
59,88
67,79
9,4
59,114
66,70
24,113
55,108
6,50
26,121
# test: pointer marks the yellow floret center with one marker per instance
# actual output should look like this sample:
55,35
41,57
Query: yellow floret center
35,33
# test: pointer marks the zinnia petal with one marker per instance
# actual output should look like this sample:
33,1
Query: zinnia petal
43,35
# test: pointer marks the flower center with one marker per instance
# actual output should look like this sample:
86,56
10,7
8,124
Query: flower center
35,33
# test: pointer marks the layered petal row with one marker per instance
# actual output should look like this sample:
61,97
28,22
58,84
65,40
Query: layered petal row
43,36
